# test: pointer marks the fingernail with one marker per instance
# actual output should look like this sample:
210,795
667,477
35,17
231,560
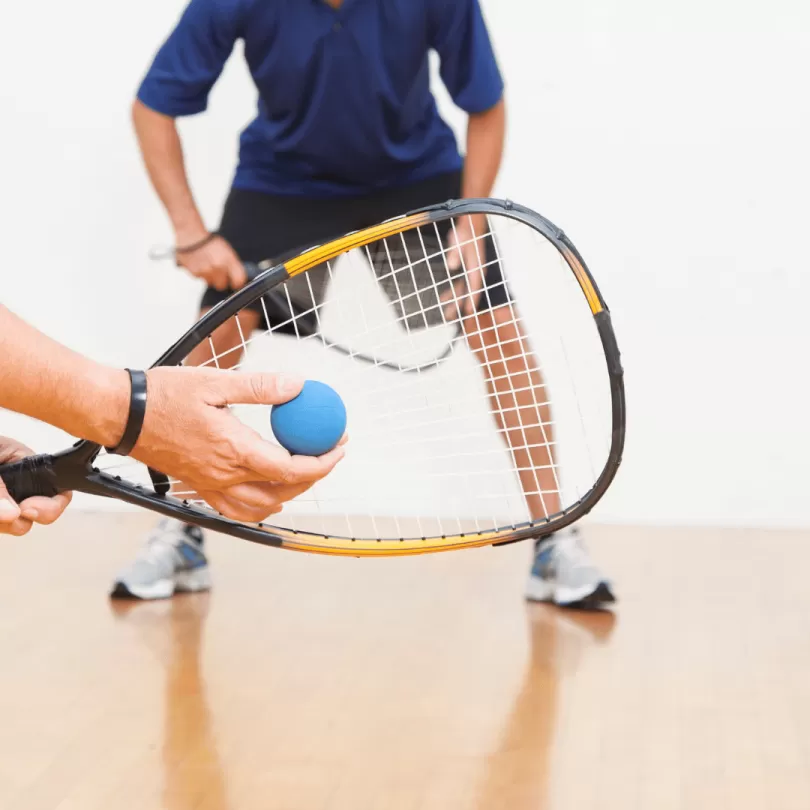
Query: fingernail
8,509
30,514
289,384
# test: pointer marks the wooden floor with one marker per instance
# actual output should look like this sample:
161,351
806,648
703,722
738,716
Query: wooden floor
308,683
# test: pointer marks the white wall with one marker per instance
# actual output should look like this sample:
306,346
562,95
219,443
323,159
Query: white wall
671,143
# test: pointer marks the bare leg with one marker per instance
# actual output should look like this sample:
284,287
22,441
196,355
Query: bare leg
519,403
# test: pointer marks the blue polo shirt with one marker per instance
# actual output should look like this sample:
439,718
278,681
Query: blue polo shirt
344,104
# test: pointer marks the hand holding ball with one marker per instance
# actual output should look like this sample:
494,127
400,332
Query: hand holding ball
312,423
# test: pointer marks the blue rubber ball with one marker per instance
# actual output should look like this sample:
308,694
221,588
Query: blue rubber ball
312,423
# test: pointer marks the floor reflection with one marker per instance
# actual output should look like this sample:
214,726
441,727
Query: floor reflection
173,630
518,775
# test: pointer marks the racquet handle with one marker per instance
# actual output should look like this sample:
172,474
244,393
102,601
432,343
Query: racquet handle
30,477
252,270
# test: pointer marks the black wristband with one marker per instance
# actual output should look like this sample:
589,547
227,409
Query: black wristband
197,245
137,412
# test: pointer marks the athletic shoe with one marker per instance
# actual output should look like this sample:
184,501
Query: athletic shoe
564,574
172,560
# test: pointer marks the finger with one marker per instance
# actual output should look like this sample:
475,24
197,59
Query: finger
293,470
237,274
455,240
285,493
453,255
220,277
255,494
205,269
262,495
250,459
245,388
476,285
17,528
450,294
455,297
9,511
45,510
12,450
310,469
235,509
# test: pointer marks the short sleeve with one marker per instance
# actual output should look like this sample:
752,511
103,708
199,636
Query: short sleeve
468,69
191,60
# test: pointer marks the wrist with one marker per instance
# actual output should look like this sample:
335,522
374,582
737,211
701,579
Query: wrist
188,233
107,394
191,247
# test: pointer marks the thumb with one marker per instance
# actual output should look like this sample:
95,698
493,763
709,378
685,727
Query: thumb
9,511
243,388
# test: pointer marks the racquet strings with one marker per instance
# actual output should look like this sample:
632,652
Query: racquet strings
512,428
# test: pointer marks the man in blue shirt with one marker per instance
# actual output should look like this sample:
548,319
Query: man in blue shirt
347,134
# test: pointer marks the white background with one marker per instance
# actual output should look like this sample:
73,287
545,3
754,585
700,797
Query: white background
670,141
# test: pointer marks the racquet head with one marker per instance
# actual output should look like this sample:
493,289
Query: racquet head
478,364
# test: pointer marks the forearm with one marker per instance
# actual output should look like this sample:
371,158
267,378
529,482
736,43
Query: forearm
47,381
162,154
485,138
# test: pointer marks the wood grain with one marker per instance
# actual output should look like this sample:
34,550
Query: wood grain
310,683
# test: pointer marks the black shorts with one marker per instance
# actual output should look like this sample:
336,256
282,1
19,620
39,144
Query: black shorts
263,227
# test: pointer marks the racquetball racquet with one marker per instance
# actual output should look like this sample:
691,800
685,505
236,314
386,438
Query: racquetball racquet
469,427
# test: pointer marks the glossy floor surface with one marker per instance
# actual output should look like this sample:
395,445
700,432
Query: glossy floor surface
309,683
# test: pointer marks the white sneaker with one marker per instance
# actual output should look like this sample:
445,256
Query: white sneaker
172,560
564,574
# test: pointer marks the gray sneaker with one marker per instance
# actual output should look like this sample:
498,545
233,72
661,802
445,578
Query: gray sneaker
564,574
172,560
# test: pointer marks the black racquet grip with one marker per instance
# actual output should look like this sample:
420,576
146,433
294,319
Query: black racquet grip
32,476
252,271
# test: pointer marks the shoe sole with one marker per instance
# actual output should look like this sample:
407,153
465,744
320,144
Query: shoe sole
198,579
585,596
